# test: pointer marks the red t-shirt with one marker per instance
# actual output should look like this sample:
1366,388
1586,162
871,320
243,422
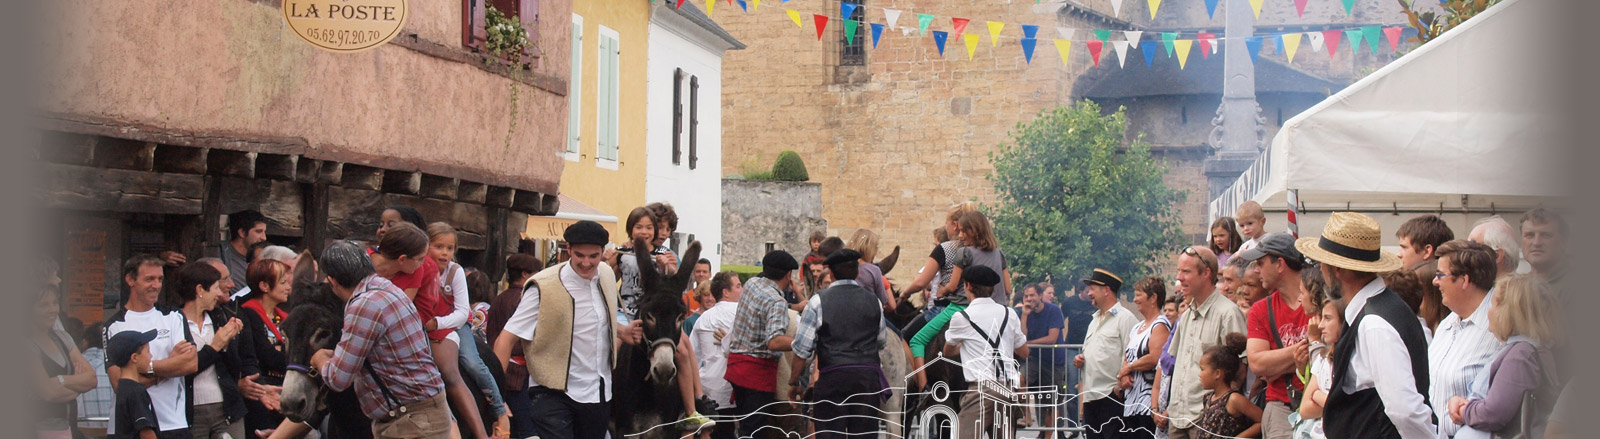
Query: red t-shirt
430,300
1291,326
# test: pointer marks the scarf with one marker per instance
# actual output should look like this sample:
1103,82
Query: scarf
270,321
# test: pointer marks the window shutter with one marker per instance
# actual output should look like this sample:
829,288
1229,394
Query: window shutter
473,17
609,81
694,120
677,116
575,90
528,13
603,99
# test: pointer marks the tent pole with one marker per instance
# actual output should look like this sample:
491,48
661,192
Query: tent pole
1294,210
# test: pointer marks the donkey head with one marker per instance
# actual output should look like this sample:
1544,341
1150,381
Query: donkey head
662,309
312,325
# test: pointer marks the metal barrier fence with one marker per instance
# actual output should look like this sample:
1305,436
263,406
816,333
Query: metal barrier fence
1051,365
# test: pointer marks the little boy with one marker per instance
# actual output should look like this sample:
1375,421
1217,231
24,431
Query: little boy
1252,224
135,416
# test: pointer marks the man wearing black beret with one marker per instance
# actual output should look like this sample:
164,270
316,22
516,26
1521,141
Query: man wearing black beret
840,329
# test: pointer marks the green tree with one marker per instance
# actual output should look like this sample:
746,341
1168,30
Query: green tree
1430,25
789,167
1073,197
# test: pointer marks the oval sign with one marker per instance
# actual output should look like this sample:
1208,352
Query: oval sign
345,26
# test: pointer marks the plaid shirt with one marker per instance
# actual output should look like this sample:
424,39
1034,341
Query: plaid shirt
762,316
382,327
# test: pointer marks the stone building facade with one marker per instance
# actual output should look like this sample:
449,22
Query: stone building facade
758,213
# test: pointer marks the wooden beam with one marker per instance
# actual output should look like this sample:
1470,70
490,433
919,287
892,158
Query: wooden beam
230,163
494,250
362,177
550,205
402,182
86,188
277,166
500,196
472,192
114,153
211,216
180,159
444,188
330,172
307,170
314,217
66,148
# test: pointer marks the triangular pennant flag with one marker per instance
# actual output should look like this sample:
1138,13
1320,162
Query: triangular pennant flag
1030,31
1205,43
1154,5
958,25
1064,48
679,6
1121,46
1371,34
1300,7
822,23
1104,35
922,22
1330,38
1183,52
1291,43
1166,40
730,2
938,40
1316,40
710,4
850,31
794,16
1116,7
1353,36
972,43
1149,50
1066,33
1350,5
994,32
891,17
1279,46
1255,6
1393,33
755,5
1211,9
877,34
1133,36
847,8
745,6
1253,45
1027,48
1094,51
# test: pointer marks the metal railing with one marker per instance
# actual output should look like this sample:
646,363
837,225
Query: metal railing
1050,366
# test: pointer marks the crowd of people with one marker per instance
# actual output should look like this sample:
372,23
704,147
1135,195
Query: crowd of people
1261,335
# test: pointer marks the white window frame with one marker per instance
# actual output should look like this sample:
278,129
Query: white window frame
615,105
574,148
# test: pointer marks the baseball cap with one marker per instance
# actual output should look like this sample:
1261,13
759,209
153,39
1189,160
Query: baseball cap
121,347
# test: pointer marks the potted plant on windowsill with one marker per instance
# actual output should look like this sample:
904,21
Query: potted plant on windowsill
507,39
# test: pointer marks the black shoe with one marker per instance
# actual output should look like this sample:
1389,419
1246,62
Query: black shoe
705,405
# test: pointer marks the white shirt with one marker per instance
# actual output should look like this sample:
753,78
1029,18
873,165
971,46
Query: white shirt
711,353
454,289
1247,245
1381,361
977,361
206,389
1462,348
167,396
590,364
1103,349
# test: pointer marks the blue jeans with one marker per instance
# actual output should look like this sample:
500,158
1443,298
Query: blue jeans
472,364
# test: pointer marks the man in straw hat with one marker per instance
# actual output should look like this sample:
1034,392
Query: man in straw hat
1374,394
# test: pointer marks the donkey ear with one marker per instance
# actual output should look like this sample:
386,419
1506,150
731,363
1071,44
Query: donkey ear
648,277
690,258
887,263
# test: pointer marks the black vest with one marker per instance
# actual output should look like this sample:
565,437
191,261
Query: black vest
848,334
1361,414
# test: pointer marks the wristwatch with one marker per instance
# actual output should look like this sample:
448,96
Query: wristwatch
152,370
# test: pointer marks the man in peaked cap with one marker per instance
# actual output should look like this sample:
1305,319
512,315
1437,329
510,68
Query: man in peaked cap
1101,360
1276,325
840,329
987,335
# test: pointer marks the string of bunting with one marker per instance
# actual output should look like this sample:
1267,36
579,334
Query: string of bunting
1175,44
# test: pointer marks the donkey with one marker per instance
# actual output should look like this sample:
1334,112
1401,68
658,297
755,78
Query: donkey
646,396
315,322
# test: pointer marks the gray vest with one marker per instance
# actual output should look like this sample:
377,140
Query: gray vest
848,334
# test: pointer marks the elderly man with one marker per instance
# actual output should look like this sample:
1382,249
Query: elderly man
840,330
1277,345
1463,344
1209,320
757,337
384,351
1380,368
1496,233
1101,359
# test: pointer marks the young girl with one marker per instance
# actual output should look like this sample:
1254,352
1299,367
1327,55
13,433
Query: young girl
1329,323
1228,413
979,248
1224,239
453,279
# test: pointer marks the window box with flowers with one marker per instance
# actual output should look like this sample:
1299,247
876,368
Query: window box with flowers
505,30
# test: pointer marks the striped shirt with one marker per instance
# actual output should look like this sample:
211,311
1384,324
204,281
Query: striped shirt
381,327
762,316
1137,400
1460,349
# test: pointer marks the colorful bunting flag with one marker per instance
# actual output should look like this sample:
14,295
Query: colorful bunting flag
847,8
922,22
1166,40
1291,43
710,4
1103,34
1205,39
1133,36
850,31
1393,33
1350,5
994,32
1116,8
1063,47
1211,9
1278,39
958,25
1148,48
1253,45
972,43
1255,5
1353,36
877,34
679,6
1300,7
892,17
1121,46
794,16
1027,48
1316,41
938,40
1371,34
822,23
1030,31
1331,38
1154,5
755,5
1066,33
1094,51
745,6
1183,47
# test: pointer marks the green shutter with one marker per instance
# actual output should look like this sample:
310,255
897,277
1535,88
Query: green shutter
575,91
609,81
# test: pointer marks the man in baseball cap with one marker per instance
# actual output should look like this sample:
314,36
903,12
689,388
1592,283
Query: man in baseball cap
1276,327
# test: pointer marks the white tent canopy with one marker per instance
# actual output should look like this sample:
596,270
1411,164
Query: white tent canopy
1456,125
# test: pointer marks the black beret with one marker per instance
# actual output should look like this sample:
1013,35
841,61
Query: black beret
779,260
980,275
842,256
586,232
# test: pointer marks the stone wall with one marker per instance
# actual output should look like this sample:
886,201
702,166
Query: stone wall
755,213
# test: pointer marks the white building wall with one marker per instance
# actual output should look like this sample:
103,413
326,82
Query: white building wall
695,194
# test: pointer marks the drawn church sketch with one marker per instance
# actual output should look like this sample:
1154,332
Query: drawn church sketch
999,406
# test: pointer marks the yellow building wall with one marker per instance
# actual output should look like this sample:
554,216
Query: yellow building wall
614,191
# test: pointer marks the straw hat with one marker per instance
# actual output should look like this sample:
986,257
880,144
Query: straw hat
1350,241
